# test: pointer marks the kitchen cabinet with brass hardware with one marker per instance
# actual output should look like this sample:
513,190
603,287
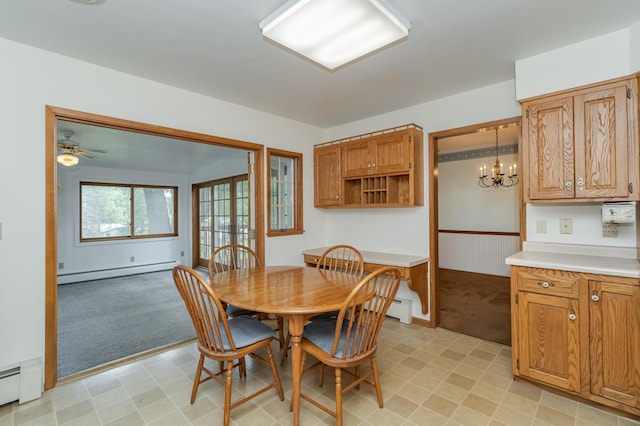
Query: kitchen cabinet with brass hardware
582,144
378,169
579,333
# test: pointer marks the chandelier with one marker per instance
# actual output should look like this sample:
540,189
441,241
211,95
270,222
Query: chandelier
498,178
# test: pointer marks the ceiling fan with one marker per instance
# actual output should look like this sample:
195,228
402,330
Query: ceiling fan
70,150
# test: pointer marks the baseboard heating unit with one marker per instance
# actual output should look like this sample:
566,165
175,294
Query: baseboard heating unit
22,382
401,309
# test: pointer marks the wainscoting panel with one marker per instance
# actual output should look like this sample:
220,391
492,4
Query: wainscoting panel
474,252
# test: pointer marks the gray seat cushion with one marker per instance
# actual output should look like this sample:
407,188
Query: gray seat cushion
321,334
246,331
234,311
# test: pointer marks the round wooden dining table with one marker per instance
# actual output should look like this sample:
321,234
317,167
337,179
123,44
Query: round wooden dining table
293,292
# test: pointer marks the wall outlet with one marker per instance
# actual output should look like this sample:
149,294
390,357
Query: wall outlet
566,226
610,230
132,259
61,265
541,226
181,253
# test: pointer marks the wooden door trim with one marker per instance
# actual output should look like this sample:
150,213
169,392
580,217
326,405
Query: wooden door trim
52,114
433,200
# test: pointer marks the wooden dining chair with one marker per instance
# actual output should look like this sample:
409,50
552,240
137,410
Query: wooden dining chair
343,258
224,340
351,339
237,256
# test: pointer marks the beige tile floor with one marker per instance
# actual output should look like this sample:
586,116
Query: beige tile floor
429,377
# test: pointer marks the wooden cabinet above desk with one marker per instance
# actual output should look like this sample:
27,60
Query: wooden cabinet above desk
414,269
378,169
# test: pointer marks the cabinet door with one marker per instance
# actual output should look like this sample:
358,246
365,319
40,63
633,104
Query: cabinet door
392,153
356,158
548,149
615,341
601,134
549,340
326,176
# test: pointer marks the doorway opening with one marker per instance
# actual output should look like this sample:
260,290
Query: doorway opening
54,116
472,230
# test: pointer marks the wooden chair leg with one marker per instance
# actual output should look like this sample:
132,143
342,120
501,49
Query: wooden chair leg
227,393
376,381
274,370
320,375
281,338
338,396
196,380
285,350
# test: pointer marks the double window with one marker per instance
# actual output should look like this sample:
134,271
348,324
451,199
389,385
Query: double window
127,211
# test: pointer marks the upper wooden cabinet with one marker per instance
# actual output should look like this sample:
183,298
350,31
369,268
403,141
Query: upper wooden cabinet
385,153
582,145
378,169
326,176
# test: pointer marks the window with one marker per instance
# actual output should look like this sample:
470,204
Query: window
284,193
120,211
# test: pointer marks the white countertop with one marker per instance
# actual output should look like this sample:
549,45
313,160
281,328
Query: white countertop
592,260
391,259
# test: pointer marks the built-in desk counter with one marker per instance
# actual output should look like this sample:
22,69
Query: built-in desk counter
414,269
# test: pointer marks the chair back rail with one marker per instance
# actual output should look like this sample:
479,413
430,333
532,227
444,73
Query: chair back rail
204,307
342,257
362,314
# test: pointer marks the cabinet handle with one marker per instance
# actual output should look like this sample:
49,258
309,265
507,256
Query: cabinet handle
369,165
545,284
572,316
337,196
374,164
580,184
568,184
595,296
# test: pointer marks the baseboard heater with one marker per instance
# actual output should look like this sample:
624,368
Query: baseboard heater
21,383
401,309
98,274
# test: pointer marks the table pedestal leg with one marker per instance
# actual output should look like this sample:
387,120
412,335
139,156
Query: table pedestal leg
296,325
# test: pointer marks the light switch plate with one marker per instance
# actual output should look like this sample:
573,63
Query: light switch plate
541,226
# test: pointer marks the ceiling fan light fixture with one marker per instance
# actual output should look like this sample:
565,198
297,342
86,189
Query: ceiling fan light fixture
333,33
67,159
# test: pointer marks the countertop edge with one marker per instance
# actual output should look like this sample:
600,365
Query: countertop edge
619,267
391,259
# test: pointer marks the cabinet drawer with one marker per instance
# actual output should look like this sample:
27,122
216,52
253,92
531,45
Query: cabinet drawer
559,283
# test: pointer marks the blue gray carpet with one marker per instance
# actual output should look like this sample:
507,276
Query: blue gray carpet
104,320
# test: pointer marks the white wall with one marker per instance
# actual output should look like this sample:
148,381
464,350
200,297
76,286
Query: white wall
32,78
464,206
106,257
589,61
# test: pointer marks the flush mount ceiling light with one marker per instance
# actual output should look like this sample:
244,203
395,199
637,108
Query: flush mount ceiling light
333,33
67,159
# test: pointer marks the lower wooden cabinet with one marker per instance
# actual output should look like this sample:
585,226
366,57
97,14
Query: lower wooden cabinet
579,333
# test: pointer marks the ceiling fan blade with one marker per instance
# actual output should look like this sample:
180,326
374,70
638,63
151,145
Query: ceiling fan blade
84,154
92,150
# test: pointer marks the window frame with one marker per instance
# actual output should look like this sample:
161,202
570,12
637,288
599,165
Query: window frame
132,188
297,211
